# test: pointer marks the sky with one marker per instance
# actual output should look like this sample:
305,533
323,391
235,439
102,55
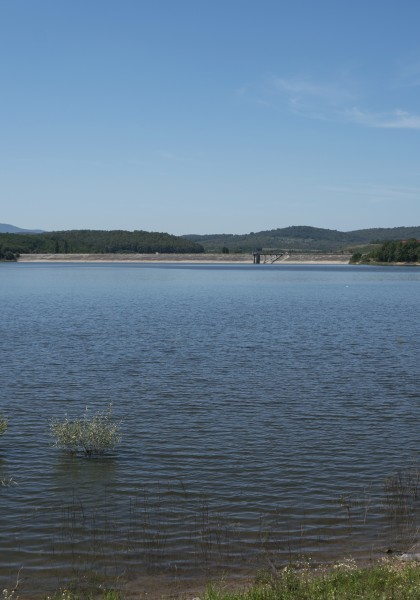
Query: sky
216,116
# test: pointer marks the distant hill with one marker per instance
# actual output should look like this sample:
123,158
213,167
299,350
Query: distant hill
96,242
6,228
302,238
295,238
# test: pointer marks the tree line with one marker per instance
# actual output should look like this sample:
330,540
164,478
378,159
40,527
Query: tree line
302,239
404,251
97,242
8,255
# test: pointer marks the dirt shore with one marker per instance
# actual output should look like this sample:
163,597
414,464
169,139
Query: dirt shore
310,259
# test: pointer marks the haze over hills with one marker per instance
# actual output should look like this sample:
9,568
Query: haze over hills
6,228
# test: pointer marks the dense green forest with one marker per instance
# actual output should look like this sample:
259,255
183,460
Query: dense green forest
96,242
7,255
407,251
302,239
366,242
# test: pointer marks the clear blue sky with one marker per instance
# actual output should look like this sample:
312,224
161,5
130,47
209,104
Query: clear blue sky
216,116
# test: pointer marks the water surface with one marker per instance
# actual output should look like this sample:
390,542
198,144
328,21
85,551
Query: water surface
263,408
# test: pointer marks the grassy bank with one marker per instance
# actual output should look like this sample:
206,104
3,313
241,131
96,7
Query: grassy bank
390,579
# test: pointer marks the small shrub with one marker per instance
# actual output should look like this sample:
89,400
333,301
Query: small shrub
3,424
356,258
90,435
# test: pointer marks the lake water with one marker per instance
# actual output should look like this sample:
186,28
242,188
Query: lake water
263,409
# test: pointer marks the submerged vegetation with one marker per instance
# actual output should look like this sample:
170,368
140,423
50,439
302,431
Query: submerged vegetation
215,538
83,595
3,424
65,594
88,434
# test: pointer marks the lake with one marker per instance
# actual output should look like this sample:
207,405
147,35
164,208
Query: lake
266,412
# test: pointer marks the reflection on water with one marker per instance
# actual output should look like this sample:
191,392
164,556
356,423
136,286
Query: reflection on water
263,410
91,474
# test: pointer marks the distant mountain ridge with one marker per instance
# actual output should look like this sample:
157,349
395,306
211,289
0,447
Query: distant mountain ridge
303,238
6,228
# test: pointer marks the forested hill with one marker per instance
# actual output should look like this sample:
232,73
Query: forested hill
96,242
297,238
302,238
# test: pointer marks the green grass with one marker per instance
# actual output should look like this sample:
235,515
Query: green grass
390,580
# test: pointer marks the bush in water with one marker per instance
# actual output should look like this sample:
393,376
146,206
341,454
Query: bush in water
90,435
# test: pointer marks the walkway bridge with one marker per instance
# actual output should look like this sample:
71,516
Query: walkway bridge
268,256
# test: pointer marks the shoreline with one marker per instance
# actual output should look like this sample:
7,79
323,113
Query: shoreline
231,259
